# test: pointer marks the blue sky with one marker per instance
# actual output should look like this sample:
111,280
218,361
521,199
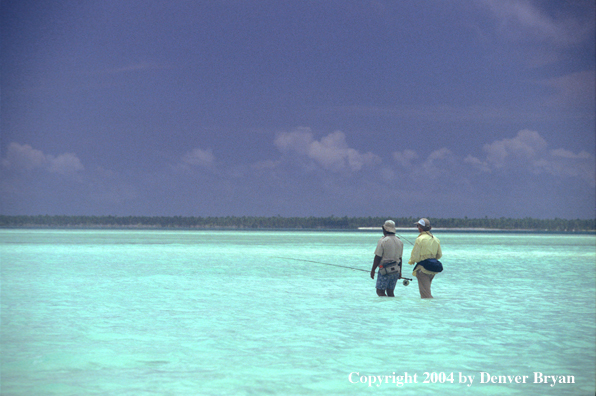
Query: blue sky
429,108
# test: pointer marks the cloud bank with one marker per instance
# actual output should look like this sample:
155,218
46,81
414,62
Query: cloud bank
309,171
23,157
528,150
331,152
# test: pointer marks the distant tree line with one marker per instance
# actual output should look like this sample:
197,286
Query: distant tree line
278,222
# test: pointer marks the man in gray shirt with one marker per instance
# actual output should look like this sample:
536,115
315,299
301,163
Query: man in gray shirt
389,250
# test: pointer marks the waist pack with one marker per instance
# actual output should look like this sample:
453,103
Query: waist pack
432,265
389,268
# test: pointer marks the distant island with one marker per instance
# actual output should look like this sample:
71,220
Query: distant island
278,222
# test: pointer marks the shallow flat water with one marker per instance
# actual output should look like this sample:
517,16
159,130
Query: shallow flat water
232,313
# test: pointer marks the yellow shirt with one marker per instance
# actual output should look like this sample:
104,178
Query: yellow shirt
426,246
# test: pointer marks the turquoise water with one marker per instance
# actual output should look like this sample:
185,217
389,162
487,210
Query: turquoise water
87,312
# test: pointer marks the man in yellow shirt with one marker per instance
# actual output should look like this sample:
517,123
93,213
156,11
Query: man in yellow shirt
426,248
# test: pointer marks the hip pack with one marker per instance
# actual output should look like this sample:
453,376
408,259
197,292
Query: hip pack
432,264
389,268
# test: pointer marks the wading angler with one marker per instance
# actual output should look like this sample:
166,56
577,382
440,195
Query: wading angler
426,254
388,259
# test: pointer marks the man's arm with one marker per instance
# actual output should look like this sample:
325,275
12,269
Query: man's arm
415,256
376,263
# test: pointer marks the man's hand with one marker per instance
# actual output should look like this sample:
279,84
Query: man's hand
372,274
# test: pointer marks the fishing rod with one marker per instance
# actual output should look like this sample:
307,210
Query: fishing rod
401,237
318,262
380,228
336,265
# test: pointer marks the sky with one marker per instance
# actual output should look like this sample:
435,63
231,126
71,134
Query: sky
432,108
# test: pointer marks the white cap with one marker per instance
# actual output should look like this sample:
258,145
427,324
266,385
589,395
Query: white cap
423,222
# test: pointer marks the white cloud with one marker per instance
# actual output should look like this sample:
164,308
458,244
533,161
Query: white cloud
331,152
438,163
528,150
562,153
443,154
405,158
575,89
298,140
526,145
563,162
525,20
65,164
23,157
542,32
476,163
198,157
